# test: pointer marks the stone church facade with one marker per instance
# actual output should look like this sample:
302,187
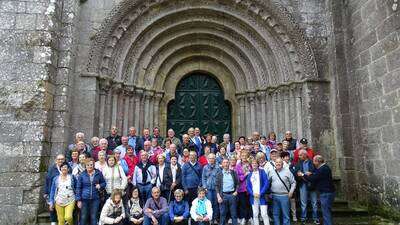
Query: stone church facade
328,70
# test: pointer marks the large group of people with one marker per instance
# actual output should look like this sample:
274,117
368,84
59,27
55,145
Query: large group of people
155,180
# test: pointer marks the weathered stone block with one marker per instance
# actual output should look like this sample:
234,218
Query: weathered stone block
390,101
20,179
393,60
396,114
10,196
380,119
377,69
372,90
365,58
7,21
26,21
12,6
391,24
391,81
385,46
364,43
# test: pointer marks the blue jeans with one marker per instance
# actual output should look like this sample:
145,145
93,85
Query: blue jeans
212,196
145,191
304,195
281,204
326,206
229,203
90,209
162,220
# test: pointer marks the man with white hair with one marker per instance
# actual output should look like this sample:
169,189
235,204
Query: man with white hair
283,186
227,144
307,190
174,140
323,182
79,137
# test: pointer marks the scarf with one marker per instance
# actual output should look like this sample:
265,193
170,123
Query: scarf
201,207
144,171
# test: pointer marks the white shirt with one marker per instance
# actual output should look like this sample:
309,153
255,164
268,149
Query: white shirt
173,170
255,182
160,176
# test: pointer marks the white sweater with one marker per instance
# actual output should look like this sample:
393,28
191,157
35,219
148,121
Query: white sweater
108,209
209,209
117,180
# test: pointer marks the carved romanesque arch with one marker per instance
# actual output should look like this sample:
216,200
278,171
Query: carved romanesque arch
255,48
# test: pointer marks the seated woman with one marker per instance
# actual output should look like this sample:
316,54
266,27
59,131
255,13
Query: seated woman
134,210
201,210
113,211
179,209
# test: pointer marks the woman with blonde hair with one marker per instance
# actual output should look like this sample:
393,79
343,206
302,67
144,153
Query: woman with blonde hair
242,170
101,164
113,211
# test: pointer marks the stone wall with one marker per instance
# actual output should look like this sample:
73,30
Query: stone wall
371,129
28,62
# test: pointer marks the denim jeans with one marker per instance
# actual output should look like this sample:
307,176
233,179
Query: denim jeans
326,206
212,196
162,220
145,191
281,205
306,194
90,210
229,204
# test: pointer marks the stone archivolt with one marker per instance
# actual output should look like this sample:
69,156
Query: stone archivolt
249,46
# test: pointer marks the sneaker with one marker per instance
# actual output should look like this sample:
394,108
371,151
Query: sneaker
294,219
303,221
316,222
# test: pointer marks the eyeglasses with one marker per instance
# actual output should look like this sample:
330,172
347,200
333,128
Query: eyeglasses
89,164
61,159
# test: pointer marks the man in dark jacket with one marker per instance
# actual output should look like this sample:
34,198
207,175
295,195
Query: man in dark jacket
292,142
114,139
164,177
307,191
140,143
226,185
191,177
323,182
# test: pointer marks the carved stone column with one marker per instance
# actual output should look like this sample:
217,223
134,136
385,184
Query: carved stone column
157,98
252,103
104,93
139,110
241,115
147,114
262,121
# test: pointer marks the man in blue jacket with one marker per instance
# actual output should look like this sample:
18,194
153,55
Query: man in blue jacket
191,177
307,190
53,171
208,182
323,182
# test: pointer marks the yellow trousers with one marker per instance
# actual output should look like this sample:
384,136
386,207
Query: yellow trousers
64,213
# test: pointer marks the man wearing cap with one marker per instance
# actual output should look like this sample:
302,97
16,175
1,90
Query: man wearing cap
304,146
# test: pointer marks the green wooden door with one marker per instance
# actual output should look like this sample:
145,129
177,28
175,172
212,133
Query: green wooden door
199,102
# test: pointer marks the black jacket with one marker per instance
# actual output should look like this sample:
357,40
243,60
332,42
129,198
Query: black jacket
166,179
322,179
219,180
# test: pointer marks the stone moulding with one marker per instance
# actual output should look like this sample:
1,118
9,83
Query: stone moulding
274,15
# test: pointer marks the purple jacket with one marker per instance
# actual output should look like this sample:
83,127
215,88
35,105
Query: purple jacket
241,176
159,209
